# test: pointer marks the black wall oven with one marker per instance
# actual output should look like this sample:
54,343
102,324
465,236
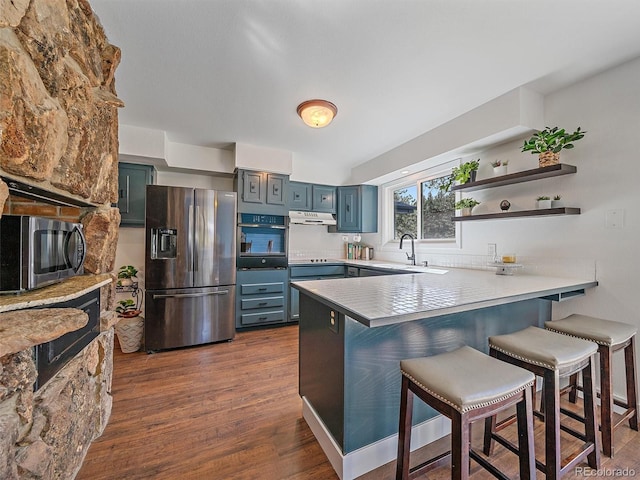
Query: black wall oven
36,251
262,241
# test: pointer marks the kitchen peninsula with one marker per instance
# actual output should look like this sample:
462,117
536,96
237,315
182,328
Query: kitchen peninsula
355,331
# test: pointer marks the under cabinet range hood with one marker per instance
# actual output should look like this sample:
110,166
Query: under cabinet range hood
311,218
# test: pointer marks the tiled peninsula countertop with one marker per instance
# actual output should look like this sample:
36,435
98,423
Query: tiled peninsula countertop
386,300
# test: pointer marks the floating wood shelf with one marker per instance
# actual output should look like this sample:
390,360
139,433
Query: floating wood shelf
518,177
540,212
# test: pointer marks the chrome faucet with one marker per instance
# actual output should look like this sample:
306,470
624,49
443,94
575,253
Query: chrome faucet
411,257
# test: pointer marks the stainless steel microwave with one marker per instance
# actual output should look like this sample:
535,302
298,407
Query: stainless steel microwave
36,251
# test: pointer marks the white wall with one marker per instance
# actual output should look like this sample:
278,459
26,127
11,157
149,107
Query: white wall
607,106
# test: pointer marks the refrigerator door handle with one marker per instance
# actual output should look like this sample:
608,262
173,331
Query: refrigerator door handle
188,295
199,237
190,240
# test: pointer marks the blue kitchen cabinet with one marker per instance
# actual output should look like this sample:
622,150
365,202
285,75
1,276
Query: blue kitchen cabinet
309,272
357,209
323,198
261,297
299,196
132,181
262,192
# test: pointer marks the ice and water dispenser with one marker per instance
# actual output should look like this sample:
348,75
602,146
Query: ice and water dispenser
163,243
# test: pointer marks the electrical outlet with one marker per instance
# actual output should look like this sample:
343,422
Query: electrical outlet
345,238
614,218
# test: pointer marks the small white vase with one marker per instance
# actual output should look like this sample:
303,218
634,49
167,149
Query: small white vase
543,204
557,204
465,212
501,170
130,332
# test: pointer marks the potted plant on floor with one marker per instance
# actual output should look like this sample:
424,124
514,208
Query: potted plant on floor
130,326
466,205
549,142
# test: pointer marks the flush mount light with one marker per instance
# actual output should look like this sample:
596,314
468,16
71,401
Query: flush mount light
404,172
317,113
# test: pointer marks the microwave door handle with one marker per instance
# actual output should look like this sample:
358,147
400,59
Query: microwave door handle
71,255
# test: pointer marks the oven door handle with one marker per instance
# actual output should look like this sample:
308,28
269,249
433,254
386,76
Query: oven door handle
257,225
188,295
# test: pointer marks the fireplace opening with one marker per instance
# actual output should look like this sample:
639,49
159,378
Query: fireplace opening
52,356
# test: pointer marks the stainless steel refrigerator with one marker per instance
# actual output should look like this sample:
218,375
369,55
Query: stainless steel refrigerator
190,272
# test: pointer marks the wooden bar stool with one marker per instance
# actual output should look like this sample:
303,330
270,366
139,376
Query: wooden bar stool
611,337
552,357
465,385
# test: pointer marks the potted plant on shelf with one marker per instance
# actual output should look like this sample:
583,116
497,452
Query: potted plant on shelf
544,201
549,142
556,202
462,174
125,275
466,205
500,167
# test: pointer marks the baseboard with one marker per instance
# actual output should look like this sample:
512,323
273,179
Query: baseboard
365,459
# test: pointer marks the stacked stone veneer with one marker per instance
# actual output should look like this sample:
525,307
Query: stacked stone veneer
59,131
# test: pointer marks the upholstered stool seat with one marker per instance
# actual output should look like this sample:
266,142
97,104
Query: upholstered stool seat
611,337
551,356
465,385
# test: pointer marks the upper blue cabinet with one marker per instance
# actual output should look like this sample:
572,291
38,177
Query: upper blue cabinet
262,192
357,209
132,181
311,197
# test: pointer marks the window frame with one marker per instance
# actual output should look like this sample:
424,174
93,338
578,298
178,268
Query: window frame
416,179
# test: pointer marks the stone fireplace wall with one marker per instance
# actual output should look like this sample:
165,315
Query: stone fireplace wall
59,132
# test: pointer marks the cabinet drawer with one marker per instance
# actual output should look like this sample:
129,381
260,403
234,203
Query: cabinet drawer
264,302
262,317
313,271
251,288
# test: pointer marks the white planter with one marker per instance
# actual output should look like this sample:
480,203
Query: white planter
542,204
557,204
501,170
465,212
130,332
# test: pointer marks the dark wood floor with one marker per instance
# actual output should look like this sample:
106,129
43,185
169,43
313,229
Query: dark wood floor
232,411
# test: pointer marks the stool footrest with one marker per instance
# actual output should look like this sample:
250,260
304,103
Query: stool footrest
487,466
430,464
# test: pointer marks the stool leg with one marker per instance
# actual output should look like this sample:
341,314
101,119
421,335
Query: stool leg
459,447
489,428
551,399
404,430
606,399
573,381
630,369
527,456
590,418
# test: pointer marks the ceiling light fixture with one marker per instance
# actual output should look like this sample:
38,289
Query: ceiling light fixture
317,113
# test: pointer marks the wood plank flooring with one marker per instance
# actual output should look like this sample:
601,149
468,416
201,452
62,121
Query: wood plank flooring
232,411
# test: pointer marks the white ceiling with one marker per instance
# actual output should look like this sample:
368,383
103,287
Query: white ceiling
215,72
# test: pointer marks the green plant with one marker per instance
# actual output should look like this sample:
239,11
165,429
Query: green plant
466,203
498,163
461,174
127,271
543,197
551,140
127,308
557,197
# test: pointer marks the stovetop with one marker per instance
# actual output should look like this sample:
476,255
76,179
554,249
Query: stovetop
314,261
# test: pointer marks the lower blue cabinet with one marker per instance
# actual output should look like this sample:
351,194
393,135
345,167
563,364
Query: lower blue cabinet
261,297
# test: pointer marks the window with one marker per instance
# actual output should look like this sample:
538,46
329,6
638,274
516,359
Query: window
421,208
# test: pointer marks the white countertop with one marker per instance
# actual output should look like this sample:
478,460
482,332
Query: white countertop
385,300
